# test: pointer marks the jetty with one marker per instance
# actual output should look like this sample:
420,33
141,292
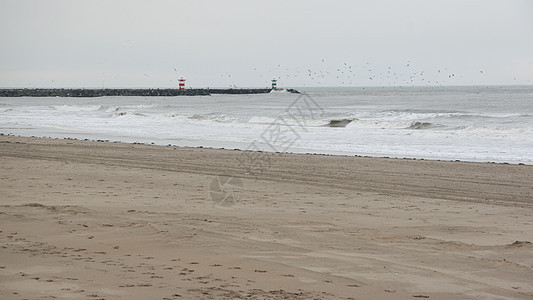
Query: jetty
127,92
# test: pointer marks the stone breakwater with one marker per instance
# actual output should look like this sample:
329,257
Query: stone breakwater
126,92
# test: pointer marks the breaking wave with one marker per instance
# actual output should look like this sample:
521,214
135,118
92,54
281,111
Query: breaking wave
74,108
124,113
420,125
339,123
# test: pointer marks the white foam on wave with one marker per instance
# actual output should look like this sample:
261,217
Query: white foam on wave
200,118
358,124
74,108
414,116
498,129
112,109
410,116
146,106
288,121
279,91
129,114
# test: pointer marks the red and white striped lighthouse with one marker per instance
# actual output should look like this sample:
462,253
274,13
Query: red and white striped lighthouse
182,84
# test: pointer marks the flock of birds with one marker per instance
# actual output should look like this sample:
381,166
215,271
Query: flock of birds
360,74
344,74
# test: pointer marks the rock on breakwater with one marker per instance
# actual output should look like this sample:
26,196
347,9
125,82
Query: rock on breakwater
125,92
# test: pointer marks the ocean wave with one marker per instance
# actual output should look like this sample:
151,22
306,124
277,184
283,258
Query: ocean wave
74,108
501,129
427,116
210,117
217,117
124,113
339,123
407,115
288,120
420,125
262,120
198,117
110,109
223,119
254,120
146,106
378,124
499,115
81,108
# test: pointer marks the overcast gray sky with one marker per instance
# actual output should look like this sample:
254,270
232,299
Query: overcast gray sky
243,43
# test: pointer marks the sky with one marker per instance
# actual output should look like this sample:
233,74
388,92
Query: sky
243,43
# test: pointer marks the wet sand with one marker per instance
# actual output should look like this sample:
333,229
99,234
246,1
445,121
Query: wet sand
90,220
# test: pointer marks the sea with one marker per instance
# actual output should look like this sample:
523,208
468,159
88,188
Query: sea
466,123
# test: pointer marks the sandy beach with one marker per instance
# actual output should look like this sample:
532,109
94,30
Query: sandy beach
95,220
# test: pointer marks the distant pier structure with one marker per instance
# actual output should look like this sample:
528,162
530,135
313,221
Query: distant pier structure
181,84
274,84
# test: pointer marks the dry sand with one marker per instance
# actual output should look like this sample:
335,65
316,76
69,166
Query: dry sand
88,220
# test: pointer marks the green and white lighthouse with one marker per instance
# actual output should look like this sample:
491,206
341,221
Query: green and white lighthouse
274,84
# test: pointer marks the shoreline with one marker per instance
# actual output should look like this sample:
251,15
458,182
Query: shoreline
133,221
301,152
